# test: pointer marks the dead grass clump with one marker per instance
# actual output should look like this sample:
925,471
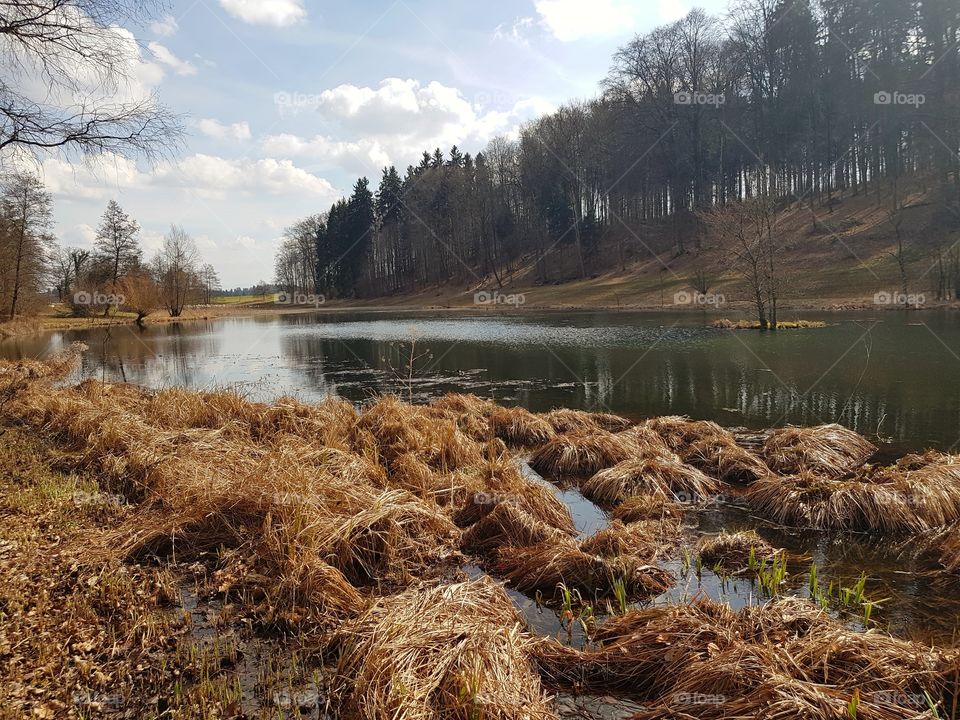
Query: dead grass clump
880,500
329,422
565,420
519,427
734,552
397,429
645,441
719,456
646,540
830,450
680,432
432,653
460,403
390,541
579,454
543,567
501,482
658,476
508,524
646,507
783,659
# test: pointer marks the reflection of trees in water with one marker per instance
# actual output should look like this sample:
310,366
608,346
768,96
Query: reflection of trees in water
156,356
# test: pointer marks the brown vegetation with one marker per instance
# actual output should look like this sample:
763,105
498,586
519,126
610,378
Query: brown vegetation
580,454
662,476
830,450
735,552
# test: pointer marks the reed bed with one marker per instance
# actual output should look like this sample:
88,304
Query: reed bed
646,507
580,454
830,450
785,659
660,476
885,500
448,651
737,552
646,540
544,567
519,427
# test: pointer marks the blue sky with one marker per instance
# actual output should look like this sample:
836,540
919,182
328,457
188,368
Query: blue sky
287,102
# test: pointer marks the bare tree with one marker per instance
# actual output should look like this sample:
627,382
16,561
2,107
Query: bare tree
26,209
69,45
176,267
747,230
210,282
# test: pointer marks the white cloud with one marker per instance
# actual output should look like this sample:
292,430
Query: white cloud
399,119
221,131
516,32
165,57
97,178
216,177
278,13
165,26
569,20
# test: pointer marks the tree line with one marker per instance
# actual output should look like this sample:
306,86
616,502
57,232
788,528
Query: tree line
110,277
781,101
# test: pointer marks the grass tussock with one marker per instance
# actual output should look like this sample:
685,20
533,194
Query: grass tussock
449,651
720,457
736,552
679,432
646,540
884,500
508,524
580,454
565,420
783,659
543,567
646,507
659,476
830,450
519,427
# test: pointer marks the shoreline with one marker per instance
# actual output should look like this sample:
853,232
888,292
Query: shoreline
26,326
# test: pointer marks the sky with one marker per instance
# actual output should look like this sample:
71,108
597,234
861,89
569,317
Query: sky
286,102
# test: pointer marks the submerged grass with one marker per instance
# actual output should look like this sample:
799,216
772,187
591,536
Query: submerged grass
737,552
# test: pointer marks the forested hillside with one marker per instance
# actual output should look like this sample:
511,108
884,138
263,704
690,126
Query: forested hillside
700,127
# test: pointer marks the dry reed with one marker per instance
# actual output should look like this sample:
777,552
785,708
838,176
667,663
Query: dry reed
578,454
660,476
830,450
520,428
646,540
565,420
646,507
431,653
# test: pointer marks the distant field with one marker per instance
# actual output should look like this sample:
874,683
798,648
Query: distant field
241,299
